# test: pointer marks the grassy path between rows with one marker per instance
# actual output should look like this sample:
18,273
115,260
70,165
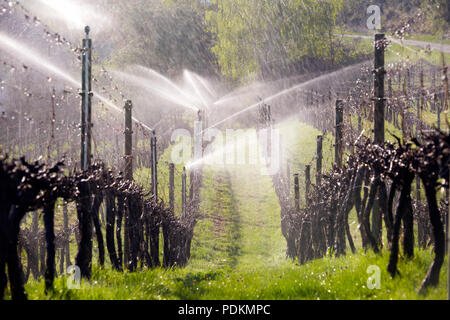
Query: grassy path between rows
238,251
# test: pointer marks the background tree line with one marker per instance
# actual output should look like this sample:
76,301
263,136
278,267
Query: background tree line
243,40
239,40
434,20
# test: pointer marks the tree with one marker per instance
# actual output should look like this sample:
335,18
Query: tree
269,39
167,35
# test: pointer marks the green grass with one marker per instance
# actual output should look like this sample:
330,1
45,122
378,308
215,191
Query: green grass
413,54
431,118
417,37
216,242
427,38
399,52
328,278
238,251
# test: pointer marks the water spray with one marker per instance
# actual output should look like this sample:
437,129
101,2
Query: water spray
38,60
284,92
190,79
144,83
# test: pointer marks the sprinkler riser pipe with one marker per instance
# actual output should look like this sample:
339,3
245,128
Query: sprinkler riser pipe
86,103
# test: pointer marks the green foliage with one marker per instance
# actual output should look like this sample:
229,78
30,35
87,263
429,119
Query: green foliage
434,15
262,38
168,36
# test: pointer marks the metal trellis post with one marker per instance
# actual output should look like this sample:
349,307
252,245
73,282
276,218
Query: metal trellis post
339,133
86,93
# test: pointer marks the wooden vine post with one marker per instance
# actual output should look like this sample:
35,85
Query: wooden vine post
359,121
319,160
172,187
379,89
379,118
389,106
154,165
307,182
66,234
339,136
437,107
297,193
419,126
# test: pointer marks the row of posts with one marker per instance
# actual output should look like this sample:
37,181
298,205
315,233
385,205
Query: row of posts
379,135
379,130
154,163
379,118
86,132
379,138
319,158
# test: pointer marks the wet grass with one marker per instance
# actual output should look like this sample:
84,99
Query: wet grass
238,251
218,234
397,51
328,278
427,38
